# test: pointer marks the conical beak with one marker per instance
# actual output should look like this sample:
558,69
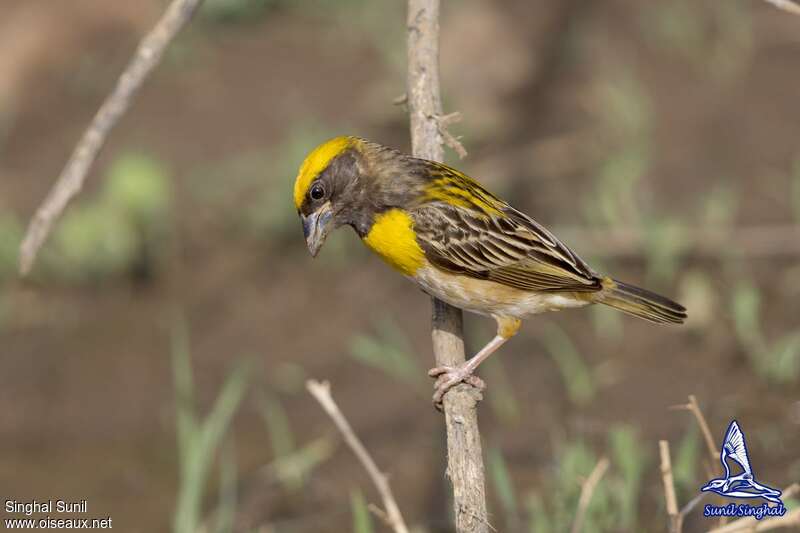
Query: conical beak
316,227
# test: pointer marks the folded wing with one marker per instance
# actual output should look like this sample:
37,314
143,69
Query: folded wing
501,245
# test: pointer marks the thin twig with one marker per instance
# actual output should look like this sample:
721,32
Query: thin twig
791,491
689,507
669,487
380,513
443,122
72,178
694,408
789,6
587,490
321,391
464,455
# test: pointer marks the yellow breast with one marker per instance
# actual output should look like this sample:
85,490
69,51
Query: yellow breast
392,237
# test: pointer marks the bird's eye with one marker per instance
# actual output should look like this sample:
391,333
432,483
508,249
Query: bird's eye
317,192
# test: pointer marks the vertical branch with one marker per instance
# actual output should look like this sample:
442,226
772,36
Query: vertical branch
669,488
424,96
464,456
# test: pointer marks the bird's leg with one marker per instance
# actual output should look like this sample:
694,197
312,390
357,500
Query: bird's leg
449,376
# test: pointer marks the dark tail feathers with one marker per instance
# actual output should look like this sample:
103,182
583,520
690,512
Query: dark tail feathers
641,303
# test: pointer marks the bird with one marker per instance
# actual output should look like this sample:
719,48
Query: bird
742,485
457,241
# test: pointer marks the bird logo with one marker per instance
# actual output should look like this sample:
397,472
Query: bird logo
743,485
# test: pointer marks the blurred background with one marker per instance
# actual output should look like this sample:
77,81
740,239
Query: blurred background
154,364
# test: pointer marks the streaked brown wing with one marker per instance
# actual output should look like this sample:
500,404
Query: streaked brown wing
509,248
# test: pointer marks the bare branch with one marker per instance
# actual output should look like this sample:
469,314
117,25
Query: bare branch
380,513
464,455
689,507
694,408
321,391
72,178
443,122
789,6
791,491
587,490
669,488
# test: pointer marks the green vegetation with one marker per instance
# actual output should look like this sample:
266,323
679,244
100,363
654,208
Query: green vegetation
293,470
615,500
732,50
238,11
574,464
362,519
504,488
277,423
124,230
777,361
199,439
389,351
607,323
794,186
676,27
10,238
226,501
715,38
626,117
665,242
686,464
291,465
630,462
697,293
502,400
94,242
721,205
288,378
575,374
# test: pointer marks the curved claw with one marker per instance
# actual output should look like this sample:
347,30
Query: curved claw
437,371
448,377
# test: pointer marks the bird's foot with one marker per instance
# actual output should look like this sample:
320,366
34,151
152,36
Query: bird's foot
449,376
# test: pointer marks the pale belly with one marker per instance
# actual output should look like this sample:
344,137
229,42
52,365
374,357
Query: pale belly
490,298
